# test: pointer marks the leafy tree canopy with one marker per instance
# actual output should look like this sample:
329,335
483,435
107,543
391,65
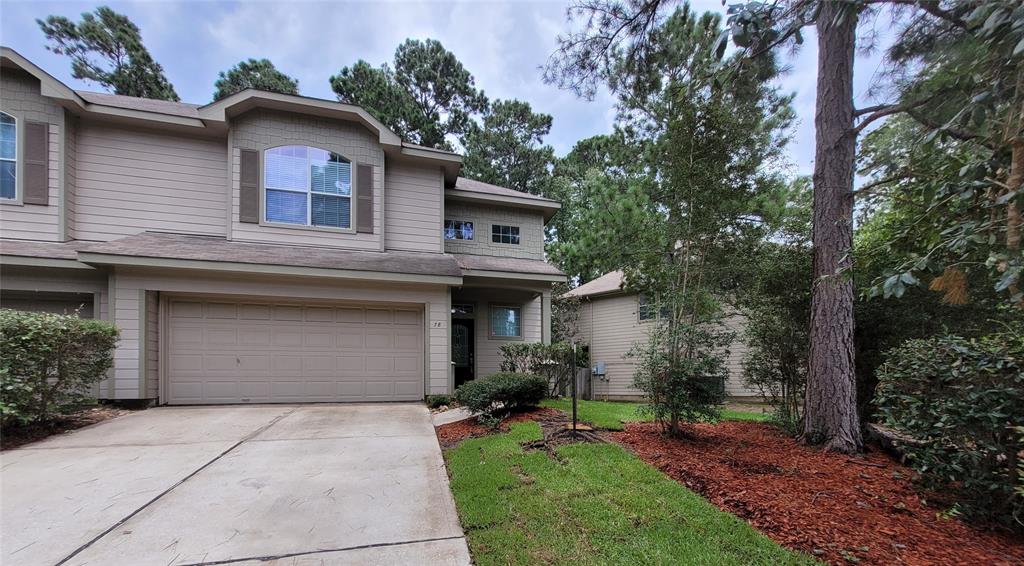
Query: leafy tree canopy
427,95
106,47
259,74
508,149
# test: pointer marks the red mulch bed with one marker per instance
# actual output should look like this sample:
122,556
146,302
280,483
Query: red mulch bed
837,508
450,434
15,436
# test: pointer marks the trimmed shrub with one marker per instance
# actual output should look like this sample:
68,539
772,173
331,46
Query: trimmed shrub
963,400
505,392
435,401
48,362
552,361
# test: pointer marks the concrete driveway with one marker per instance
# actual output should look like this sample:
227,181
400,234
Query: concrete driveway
309,484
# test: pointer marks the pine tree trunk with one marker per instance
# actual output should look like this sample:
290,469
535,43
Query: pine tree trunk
1014,218
830,404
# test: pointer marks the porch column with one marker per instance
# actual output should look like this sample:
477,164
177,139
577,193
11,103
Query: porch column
545,322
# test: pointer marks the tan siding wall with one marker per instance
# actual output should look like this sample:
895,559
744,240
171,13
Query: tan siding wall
531,230
152,344
412,207
611,327
19,97
262,129
70,172
488,357
130,181
128,283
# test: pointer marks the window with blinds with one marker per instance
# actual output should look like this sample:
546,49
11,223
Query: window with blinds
307,186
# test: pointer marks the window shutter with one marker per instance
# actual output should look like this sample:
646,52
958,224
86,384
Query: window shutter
37,171
364,199
249,187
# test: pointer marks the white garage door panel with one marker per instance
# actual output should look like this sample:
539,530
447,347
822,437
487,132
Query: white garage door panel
222,352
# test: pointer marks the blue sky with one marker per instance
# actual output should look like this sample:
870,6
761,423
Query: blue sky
502,43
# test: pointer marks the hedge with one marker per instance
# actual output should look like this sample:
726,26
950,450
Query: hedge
503,391
963,400
48,363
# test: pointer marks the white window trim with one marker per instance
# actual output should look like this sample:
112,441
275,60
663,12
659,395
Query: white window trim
16,199
309,192
490,322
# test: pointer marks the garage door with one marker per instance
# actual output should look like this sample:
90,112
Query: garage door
249,352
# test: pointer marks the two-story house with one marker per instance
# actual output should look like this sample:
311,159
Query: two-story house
261,248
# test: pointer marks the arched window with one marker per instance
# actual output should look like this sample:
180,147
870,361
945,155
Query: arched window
307,186
8,156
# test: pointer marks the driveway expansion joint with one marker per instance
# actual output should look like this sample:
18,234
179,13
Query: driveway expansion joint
160,495
320,551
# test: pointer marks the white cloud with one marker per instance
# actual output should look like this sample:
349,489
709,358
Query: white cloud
503,44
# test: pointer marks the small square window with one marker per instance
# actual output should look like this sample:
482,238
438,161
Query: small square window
458,230
501,234
506,322
647,310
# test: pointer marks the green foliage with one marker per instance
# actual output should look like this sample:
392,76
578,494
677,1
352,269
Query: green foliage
552,361
683,388
48,363
963,401
106,47
596,504
259,74
503,392
776,301
950,173
427,95
437,401
508,149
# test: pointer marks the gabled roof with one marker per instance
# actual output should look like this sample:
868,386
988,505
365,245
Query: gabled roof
477,191
183,109
607,284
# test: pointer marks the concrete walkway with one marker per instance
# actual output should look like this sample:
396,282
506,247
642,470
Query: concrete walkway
311,484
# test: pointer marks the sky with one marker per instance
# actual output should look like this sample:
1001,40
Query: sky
503,44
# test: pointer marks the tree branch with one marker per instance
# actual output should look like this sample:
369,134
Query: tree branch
883,110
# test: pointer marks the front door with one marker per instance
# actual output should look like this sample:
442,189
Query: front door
462,349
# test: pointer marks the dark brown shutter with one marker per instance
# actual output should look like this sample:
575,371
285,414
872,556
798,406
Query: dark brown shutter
364,199
249,187
37,171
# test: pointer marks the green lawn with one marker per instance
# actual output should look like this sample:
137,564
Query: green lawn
594,504
611,414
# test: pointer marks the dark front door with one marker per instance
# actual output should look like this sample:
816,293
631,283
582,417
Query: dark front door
462,349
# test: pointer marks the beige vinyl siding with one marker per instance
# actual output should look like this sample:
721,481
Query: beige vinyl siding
530,223
261,129
488,355
734,386
611,326
70,172
19,97
413,196
152,364
130,181
128,283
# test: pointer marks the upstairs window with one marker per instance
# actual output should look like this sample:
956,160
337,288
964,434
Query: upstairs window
647,310
307,186
501,234
458,230
8,156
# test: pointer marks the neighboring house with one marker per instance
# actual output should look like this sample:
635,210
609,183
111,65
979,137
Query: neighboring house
262,248
612,320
